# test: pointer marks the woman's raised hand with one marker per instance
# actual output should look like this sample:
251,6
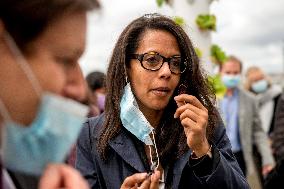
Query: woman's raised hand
194,118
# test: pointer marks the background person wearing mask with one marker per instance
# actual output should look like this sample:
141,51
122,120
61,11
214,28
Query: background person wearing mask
96,83
243,126
267,95
40,44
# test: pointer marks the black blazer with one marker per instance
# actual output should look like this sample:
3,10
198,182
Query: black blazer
124,160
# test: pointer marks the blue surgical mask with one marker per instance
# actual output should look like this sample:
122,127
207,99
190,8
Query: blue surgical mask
231,81
260,86
133,119
48,139
135,122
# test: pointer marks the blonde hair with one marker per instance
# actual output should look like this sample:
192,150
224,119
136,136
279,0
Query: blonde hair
250,70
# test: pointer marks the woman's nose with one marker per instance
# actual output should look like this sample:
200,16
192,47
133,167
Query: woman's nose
165,70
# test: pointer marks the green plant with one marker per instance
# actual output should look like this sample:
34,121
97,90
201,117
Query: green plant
179,20
206,22
218,86
160,2
218,56
198,52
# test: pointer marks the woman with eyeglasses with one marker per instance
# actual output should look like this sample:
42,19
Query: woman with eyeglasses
160,128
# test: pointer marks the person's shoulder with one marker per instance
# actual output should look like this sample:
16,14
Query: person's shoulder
94,124
246,94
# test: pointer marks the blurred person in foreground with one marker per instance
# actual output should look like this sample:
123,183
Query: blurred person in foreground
160,128
267,94
40,82
275,179
243,125
96,83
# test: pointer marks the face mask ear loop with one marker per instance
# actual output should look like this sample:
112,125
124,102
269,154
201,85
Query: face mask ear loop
4,112
156,150
23,64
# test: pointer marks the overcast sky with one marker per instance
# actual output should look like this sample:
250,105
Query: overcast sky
253,30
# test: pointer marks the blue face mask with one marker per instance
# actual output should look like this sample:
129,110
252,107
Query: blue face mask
133,119
135,122
231,81
260,86
48,139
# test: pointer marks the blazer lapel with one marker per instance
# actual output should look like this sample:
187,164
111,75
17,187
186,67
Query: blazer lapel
125,148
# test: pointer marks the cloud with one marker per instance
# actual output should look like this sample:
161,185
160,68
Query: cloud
253,30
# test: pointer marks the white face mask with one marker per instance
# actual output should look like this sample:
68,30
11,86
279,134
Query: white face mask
260,86
49,137
231,81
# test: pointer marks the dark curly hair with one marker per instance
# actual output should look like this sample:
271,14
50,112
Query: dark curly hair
170,137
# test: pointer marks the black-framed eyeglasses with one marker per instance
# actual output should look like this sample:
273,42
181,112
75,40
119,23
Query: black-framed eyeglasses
154,61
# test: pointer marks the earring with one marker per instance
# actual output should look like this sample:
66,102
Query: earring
182,89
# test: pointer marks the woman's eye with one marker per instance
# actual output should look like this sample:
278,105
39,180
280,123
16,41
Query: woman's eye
152,60
176,63
66,61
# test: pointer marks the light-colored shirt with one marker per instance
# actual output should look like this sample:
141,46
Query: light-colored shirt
229,109
7,181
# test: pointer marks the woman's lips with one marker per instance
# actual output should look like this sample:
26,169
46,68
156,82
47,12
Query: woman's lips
161,91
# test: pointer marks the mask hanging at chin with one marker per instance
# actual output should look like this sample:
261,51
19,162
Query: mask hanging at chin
133,119
49,137
135,122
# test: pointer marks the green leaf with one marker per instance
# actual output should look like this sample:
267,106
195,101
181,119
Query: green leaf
206,22
179,20
160,2
217,54
198,52
218,86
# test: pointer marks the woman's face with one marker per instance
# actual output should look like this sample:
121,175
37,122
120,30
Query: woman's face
53,57
153,89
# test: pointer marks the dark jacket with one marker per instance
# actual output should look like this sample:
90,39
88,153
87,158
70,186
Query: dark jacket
275,179
278,132
124,160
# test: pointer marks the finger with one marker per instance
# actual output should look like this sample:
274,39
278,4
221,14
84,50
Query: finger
191,107
189,99
145,184
155,180
189,114
51,178
188,124
72,178
60,175
130,181
135,187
